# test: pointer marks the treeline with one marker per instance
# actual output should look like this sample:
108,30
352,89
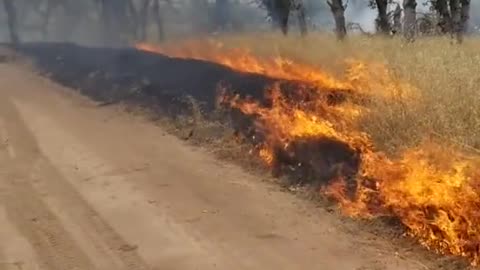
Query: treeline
121,21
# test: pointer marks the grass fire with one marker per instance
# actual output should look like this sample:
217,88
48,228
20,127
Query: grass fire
432,185
340,134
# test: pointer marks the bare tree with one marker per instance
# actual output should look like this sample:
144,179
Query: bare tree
279,11
12,21
460,14
455,12
142,20
410,20
302,20
157,16
464,18
454,16
445,23
133,17
338,11
397,20
382,21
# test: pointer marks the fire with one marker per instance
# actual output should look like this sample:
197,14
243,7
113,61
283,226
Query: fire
362,78
433,190
243,60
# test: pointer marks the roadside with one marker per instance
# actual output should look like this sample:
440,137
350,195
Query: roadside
85,187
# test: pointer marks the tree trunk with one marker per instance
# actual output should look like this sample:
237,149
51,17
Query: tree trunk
134,19
302,21
281,10
382,20
142,22
338,11
465,16
410,20
12,21
455,11
445,23
157,16
269,6
397,20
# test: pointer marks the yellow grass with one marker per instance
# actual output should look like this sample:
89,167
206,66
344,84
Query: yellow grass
446,75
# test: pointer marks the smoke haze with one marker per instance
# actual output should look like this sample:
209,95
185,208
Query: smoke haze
81,22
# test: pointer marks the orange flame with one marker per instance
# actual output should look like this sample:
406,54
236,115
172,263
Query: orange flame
433,192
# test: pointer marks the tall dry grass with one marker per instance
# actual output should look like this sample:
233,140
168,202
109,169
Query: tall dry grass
446,77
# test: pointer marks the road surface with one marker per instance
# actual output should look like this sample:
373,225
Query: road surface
83,187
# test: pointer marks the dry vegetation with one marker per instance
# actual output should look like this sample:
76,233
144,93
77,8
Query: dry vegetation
445,74
444,107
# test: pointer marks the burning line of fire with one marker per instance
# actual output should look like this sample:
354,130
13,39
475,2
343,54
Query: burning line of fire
432,190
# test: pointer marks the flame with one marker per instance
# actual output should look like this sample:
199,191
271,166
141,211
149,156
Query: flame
433,190
374,78
242,59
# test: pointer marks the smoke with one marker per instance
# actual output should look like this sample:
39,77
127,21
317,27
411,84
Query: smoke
81,21
359,12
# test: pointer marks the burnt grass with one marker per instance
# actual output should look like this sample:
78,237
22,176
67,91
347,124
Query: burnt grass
180,89
182,94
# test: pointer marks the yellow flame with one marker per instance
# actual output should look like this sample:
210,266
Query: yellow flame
433,190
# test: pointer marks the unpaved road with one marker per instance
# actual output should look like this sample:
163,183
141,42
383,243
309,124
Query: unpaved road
83,187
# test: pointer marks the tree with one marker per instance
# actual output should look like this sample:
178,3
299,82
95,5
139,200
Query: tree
338,11
142,20
410,19
397,20
454,16
445,22
157,16
382,20
279,11
455,12
302,20
464,19
11,21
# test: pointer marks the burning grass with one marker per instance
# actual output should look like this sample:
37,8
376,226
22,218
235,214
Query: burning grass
402,135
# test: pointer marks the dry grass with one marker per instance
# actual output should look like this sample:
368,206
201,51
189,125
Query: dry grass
445,74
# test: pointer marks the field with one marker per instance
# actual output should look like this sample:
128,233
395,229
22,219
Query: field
384,130
443,72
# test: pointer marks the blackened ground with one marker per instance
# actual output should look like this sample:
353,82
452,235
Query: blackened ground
111,75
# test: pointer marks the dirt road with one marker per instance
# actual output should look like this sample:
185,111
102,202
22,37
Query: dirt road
83,187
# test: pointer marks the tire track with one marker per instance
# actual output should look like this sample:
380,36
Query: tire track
30,175
24,206
102,239
100,183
